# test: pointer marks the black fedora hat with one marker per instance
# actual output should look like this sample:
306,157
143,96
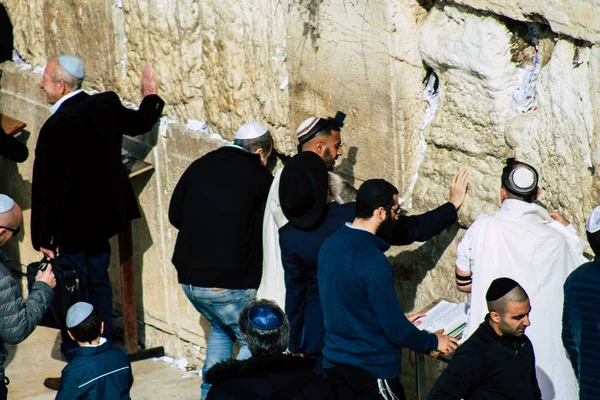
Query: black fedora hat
303,189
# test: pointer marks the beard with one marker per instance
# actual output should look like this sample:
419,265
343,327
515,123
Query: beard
385,229
329,159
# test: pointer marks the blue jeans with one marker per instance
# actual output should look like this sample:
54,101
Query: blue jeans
220,307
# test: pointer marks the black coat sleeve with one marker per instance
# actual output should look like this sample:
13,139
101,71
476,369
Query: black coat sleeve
420,228
11,148
138,122
461,376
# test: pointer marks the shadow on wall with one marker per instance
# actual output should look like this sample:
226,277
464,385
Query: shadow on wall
412,266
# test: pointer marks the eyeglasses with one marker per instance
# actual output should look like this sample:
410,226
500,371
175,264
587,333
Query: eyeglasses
15,231
396,211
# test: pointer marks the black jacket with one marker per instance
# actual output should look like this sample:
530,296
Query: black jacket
490,367
218,207
282,377
80,192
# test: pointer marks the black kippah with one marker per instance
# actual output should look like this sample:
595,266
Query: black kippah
499,287
376,192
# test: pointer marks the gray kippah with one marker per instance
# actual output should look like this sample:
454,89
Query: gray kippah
77,313
72,65
6,203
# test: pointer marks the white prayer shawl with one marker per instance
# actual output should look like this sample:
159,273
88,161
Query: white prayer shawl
272,284
521,241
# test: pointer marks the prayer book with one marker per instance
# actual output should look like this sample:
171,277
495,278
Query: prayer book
451,317
11,125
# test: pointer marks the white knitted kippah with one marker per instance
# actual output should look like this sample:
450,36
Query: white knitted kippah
593,223
6,203
250,130
306,126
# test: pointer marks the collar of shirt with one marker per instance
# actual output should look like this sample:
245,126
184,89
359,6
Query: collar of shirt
66,97
102,341
238,147
349,225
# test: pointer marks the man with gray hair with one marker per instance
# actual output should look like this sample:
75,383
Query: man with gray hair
524,242
270,373
81,195
497,362
218,207
18,317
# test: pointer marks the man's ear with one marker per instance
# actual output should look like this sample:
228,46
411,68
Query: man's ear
102,328
537,194
259,151
503,194
71,336
494,316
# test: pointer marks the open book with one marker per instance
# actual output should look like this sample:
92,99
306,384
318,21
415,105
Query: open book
451,317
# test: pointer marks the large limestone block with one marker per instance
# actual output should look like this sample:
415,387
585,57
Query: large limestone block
221,64
339,53
471,55
575,18
86,31
27,18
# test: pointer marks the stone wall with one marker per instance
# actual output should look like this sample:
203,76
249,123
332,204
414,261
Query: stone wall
280,62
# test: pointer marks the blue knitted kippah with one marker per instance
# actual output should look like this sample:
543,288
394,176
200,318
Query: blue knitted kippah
265,317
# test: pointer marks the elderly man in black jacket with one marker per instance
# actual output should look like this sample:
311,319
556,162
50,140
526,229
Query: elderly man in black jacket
81,195
18,317
218,206
497,361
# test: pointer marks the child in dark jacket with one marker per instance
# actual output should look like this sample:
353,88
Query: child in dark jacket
97,370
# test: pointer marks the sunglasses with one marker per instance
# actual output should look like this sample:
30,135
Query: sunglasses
15,231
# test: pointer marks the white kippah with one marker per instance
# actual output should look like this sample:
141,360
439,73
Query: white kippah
250,130
6,203
72,65
524,178
593,223
306,126
78,313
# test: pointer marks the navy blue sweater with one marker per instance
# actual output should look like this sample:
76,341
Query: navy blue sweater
581,327
364,322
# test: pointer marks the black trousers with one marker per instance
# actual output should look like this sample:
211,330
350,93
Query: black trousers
95,287
3,388
353,383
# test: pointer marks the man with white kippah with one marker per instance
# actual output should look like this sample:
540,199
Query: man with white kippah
218,207
323,137
18,317
581,313
81,195
524,242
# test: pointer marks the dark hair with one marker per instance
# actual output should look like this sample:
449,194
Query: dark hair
371,195
513,192
264,342
88,329
264,142
594,241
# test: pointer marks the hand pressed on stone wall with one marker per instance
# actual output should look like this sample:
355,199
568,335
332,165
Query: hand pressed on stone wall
148,81
458,188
